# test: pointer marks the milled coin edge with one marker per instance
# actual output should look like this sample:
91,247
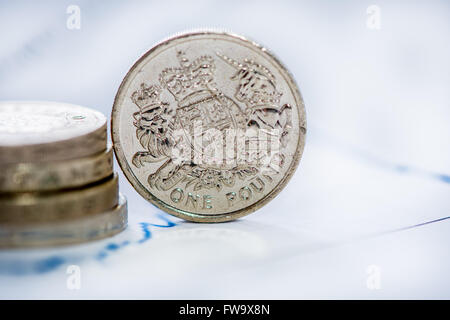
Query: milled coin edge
94,227
56,175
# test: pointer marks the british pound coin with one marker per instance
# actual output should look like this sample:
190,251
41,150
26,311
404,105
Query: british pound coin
208,126
87,228
43,207
56,175
49,131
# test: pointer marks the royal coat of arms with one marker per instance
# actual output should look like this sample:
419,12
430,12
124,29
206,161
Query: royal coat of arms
166,130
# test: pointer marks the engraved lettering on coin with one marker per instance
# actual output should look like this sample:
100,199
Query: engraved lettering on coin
208,122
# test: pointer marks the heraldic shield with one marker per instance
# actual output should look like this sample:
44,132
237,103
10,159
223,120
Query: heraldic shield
201,120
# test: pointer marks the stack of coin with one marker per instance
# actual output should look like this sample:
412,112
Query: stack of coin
57,184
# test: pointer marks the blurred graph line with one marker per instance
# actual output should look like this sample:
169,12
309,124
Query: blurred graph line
297,250
28,53
19,267
322,136
417,225
36,42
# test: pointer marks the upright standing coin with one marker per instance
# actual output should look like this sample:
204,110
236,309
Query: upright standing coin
49,131
208,126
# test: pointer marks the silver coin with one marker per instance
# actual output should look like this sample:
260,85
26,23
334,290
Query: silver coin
208,126
32,131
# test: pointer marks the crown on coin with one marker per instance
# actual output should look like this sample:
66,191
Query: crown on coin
147,97
189,77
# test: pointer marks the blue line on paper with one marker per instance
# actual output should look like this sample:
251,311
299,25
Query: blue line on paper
146,227
48,264
368,157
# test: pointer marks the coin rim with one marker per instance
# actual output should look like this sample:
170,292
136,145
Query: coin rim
16,208
191,216
60,169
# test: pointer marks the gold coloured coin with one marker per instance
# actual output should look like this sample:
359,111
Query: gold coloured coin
208,126
87,228
32,131
56,175
44,207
